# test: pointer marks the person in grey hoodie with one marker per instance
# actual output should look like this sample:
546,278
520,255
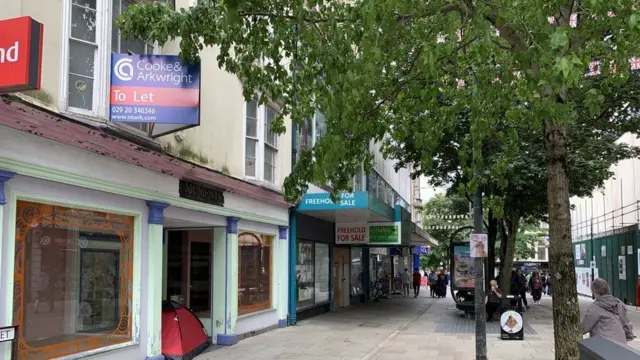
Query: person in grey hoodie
607,316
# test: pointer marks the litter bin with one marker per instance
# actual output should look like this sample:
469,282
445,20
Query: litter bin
511,319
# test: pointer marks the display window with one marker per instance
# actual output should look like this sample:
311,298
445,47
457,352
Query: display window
254,276
73,280
312,274
357,271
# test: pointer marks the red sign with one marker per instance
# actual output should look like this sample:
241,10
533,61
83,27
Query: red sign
20,54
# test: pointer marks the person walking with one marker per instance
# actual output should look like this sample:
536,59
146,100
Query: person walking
416,282
607,316
549,283
433,280
543,277
520,287
535,284
492,301
406,282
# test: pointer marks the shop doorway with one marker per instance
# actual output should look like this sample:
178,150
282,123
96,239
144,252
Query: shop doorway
341,277
189,266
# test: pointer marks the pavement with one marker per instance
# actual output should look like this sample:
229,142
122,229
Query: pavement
400,328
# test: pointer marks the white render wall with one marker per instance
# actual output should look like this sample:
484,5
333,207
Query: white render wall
621,190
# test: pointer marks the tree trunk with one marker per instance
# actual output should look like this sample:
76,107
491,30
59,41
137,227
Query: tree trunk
566,313
492,234
506,265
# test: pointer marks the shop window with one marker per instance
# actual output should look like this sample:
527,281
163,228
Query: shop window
322,273
357,271
72,280
254,276
305,278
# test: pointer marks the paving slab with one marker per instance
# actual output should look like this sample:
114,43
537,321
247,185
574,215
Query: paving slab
401,328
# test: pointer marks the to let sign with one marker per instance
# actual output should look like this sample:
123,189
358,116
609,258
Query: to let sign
156,89
7,334
20,54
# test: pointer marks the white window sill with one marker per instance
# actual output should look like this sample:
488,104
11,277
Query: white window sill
85,354
265,184
261,312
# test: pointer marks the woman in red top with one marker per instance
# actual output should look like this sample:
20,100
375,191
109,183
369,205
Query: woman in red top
416,282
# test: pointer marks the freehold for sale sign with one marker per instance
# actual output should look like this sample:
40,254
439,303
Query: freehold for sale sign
20,54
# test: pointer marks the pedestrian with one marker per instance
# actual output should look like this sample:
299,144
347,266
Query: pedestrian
607,316
406,282
520,287
492,302
549,284
416,282
535,284
442,285
433,282
543,277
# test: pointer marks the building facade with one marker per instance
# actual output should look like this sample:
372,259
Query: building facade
605,231
101,222
354,249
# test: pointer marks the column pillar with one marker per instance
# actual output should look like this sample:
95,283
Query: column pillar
153,276
4,177
283,269
293,253
226,283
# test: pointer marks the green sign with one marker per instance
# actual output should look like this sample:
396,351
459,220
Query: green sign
388,233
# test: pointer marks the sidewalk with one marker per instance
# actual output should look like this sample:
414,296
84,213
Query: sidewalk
400,328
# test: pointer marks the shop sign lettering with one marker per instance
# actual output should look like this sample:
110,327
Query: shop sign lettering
7,334
346,199
201,193
357,233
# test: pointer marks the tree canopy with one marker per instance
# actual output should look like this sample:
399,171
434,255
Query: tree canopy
405,71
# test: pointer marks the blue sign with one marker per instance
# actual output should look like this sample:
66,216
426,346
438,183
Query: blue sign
154,89
322,201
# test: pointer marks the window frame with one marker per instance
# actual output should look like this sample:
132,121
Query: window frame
102,62
259,307
136,238
261,130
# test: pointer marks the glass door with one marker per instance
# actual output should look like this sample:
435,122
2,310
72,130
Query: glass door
200,277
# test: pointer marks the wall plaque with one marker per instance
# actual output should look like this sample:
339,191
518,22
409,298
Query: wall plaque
201,193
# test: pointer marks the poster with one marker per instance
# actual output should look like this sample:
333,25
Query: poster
622,252
583,280
622,267
463,264
603,250
478,245
629,249
304,272
578,252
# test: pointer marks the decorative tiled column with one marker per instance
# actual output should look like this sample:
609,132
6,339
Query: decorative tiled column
283,270
153,276
226,283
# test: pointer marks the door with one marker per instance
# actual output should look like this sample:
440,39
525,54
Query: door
200,276
345,282
341,282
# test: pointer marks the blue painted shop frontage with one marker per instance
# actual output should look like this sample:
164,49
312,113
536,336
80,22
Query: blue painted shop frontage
347,252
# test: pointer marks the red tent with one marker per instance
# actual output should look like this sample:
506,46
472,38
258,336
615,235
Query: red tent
183,335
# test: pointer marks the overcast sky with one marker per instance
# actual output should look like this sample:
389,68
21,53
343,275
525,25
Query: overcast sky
427,191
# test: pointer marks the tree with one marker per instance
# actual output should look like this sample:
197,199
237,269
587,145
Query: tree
373,66
441,217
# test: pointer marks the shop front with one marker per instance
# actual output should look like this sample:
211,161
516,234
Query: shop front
358,241
90,246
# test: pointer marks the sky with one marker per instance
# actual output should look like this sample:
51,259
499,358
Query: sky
427,191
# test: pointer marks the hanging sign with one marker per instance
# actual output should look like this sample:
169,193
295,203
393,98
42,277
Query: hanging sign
479,245
20,54
157,89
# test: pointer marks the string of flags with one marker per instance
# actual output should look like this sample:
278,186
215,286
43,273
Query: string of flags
594,66
447,216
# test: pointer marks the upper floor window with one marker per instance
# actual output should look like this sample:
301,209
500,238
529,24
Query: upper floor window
261,144
93,35
310,132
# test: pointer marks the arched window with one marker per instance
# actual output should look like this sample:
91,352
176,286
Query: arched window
254,273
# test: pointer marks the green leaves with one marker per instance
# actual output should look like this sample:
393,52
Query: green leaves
560,39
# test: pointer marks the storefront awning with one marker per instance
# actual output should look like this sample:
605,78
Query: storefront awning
421,237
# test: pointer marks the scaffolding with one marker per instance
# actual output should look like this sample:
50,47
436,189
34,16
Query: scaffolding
617,221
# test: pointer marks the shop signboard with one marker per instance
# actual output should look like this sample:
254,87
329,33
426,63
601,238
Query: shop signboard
463,267
387,233
384,233
20,54
346,200
352,233
157,89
